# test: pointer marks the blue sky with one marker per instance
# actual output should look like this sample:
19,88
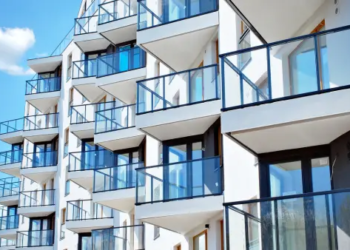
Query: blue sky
28,29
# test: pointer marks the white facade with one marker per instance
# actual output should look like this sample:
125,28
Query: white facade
132,143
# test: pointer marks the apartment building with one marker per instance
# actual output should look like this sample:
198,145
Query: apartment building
195,125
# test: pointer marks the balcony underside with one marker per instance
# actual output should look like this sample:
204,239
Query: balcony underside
44,101
9,201
119,31
83,130
11,169
12,138
84,178
40,135
122,85
85,226
181,216
86,86
45,64
282,19
122,200
39,211
120,139
39,174
181,121
193,34
296,123
91,42
9,234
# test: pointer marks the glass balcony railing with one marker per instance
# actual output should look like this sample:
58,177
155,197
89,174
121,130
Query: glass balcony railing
45,121
121,61
296,67
9,186
127,237
11,126
40,159
318,221
178,89
64,43
85,25
116,178
115,10
115,119
11,157
86,113
89,160
84,68
7,243
43,85
172,11
37,198
39,238
87,210
9,222
179,180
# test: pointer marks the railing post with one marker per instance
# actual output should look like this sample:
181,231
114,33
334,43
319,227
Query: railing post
241,87
319,87
269,72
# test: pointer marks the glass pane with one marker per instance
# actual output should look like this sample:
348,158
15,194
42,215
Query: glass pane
321,180
286,179
177,153
200,242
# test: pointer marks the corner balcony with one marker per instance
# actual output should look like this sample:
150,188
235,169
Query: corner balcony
9,191
84,216
39,128
35,239
308,221
118,21
38,203
86,36
162,28
40,166
127,237
84,79
45,64
115,186
82,165
11,131
9,227
10,162
306,104
117,73
185,103
179,196
7,244
115,128
43,93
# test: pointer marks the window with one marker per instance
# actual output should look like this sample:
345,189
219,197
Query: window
69,67
244,43
70,104
67,192
156,232
63,216
200,241
66,142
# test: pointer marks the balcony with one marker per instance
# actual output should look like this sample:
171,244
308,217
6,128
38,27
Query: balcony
39,128
7,244
9,191
84,79
82,165
45,64
117,73
118,20
185,103
269,100
40,166
84,216
307,221
115,186
128,237
115,128
179,196
11,131
10,162
162,28
43,240
43,93
9,227
38,203
86,36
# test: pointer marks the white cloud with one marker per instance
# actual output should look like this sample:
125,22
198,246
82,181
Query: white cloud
14,43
